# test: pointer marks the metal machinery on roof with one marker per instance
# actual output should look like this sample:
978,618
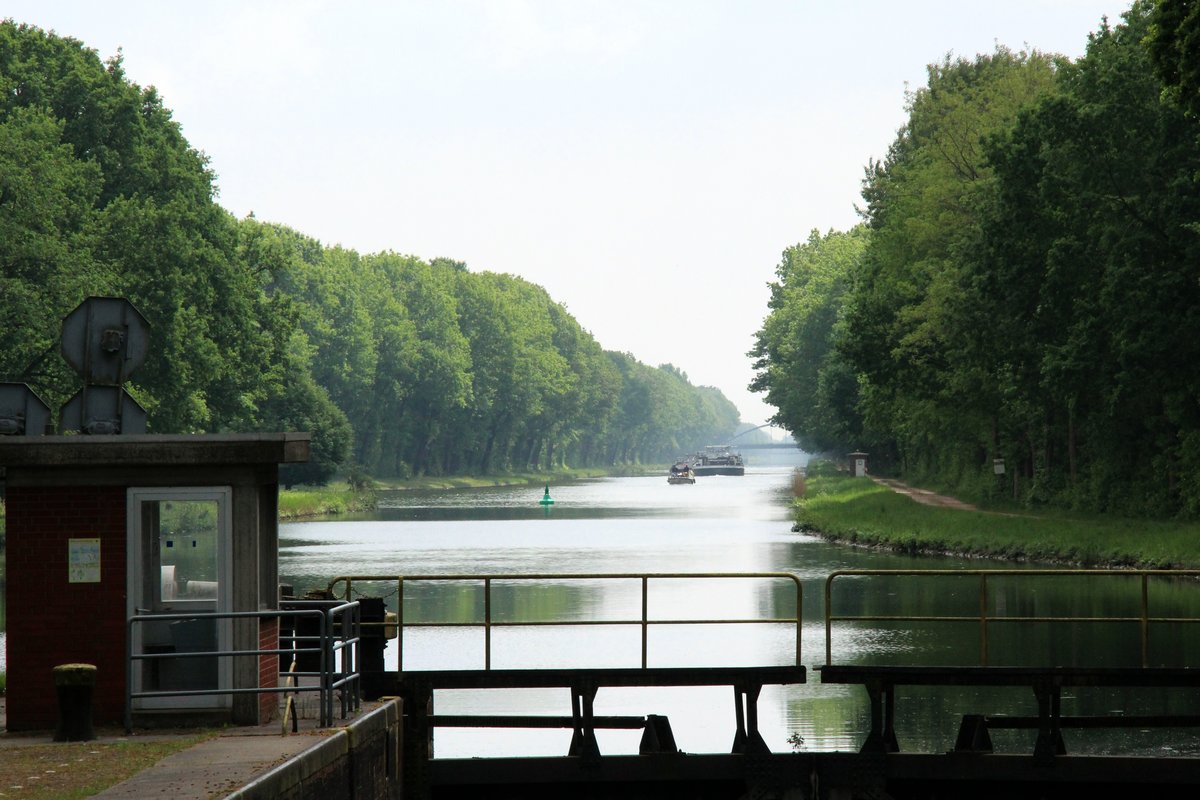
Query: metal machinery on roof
22,412
104,341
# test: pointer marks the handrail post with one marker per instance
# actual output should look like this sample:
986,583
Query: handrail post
355,660
487,623
983,620
1145,619
350,627
829,619
645,617
326,683
799,617
129,677
399,624
337,641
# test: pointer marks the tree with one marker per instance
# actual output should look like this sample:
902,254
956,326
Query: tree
425,361
113,200
1103,178
47,216
796,359
393,364
907,325
1174,47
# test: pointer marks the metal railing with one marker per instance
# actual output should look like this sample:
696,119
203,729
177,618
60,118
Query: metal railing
337,641
334,644
988,615
343,587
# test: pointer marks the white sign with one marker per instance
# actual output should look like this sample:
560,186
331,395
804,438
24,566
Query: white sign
83,560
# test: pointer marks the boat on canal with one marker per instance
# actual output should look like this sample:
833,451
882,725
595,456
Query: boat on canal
680,473
717,460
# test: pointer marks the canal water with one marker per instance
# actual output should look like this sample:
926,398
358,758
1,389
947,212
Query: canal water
719,525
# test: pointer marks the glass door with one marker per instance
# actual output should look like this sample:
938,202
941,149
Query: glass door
179,564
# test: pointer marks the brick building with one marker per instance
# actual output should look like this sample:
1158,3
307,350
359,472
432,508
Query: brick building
100,528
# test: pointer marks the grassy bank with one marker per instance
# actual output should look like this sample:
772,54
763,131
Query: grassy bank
859,511
505,479
340,498
319,501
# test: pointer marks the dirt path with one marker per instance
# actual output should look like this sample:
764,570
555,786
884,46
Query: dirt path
924,496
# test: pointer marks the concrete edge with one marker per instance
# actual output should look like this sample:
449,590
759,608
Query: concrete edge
386,717
293,773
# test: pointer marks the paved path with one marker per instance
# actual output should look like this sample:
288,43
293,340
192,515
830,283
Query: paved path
210,769
216,767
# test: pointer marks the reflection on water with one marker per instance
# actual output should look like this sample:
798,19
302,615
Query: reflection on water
605,525
720,524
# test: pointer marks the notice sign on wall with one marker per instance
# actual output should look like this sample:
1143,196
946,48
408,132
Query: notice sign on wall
83,560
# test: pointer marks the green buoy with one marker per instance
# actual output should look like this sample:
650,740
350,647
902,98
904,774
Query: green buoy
546,500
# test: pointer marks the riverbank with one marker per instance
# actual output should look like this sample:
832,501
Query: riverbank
341,498
504,479
861,512
322,501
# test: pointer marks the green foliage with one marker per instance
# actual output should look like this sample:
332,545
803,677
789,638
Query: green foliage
358,479
1100,183
795,357
1174,46
908,334
659,415
1026,288
330,499
398,366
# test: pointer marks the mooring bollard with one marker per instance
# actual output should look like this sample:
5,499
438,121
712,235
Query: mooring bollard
74,684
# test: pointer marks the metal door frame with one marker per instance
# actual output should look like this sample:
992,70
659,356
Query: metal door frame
136,556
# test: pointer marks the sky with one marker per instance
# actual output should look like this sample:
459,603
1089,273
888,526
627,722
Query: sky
645,161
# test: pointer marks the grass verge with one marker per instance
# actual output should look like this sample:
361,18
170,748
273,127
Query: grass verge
71,770
317,501
859,511
341,498
505,479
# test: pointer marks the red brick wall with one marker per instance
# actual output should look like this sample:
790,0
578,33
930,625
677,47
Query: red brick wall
268,668
51,621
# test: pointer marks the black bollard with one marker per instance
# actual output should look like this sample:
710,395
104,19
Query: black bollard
74,684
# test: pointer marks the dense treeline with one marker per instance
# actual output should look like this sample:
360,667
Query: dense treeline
398,366
1024,284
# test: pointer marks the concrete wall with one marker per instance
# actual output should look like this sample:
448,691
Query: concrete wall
359,762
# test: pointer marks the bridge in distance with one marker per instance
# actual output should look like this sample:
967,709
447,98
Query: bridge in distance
769,446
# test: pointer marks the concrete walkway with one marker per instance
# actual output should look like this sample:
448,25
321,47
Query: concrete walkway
210,769
216,767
